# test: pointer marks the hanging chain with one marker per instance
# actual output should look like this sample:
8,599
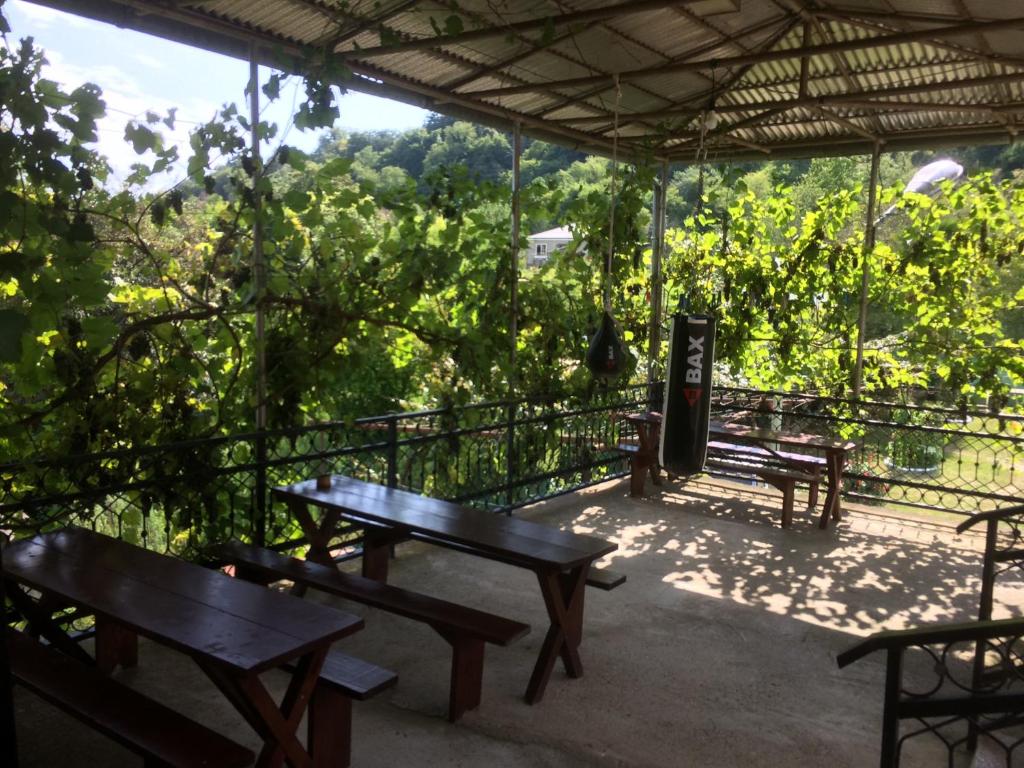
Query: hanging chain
611,208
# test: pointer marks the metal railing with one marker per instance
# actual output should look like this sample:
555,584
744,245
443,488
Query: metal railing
921,455
496,456
180,497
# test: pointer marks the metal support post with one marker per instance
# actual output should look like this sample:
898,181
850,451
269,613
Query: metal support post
513,322
657,254
259,285
865,276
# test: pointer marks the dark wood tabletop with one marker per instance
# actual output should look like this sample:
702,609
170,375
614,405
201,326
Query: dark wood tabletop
445,523
202,612
757,434
754,434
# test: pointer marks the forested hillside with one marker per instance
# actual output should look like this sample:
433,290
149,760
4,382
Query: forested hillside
389,159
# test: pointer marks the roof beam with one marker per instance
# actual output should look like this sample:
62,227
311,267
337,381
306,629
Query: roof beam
835,146
864,21
530,50
849,124
338,16
582,98
840,61
366,24
685,106
934,106
579,62
860,98
629,8
215,34
969,28
914,18
725,131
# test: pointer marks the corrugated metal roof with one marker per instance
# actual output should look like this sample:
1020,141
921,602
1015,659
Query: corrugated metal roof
784,77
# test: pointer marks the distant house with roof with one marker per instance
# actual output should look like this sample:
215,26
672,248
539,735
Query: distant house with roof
543,244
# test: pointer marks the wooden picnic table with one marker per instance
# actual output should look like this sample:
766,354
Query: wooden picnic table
233,630
834,452
560,559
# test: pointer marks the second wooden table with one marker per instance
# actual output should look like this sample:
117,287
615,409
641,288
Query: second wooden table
560,559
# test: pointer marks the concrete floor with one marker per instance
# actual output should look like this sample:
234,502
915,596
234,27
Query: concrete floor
719,650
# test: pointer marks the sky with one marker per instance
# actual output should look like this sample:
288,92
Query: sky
140,73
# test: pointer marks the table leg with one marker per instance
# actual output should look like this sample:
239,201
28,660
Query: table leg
329,728
655,473
563,598
376,554
276,725
831,508
637,473
41,623
649,439
115,645
318,535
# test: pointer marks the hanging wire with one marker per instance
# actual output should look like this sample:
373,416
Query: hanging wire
611,208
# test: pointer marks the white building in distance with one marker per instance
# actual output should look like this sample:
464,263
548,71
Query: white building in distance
543,244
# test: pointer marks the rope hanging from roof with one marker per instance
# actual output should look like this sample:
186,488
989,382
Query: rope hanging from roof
614,200
708,122
607,357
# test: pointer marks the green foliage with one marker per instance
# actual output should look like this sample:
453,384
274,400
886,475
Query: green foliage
916,450
127,316
785,286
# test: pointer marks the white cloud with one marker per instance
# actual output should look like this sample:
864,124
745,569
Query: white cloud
152,62
126,100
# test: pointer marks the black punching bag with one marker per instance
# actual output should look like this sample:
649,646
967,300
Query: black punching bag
607,356
686,412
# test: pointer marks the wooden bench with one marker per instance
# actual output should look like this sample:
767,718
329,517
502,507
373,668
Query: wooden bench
805,462
464,629
769,466
343,679
602,578
161,736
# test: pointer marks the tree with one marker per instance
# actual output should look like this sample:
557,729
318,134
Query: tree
484,152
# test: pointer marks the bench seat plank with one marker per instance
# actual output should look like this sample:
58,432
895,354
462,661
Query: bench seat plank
784,480
464,629
157,733
764,470
403,602
804,459
603,578
355,678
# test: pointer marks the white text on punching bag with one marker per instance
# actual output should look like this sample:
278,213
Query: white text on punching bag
695,360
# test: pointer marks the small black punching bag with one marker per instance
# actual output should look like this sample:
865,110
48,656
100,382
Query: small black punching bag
607,357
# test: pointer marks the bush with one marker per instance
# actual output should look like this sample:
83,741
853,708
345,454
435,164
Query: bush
916,450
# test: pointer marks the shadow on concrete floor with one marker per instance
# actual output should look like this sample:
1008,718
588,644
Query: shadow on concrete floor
719,650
